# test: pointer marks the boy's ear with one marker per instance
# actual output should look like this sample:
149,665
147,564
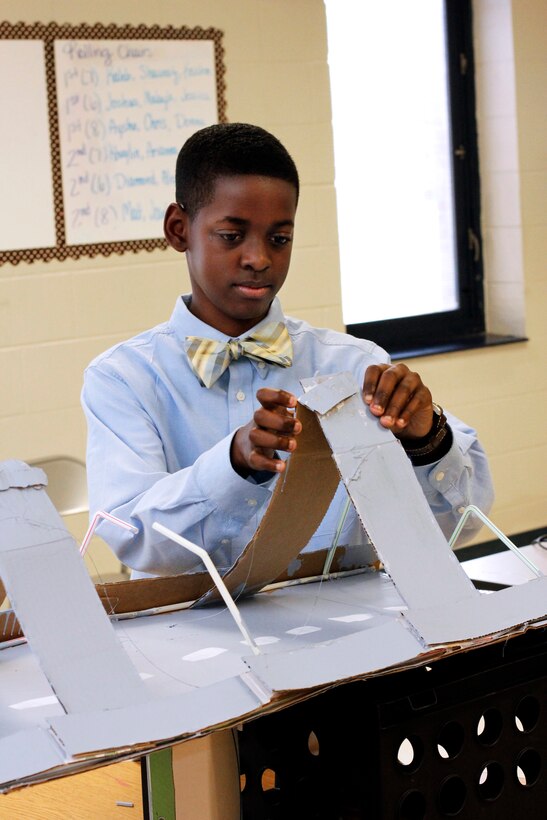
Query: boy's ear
175,227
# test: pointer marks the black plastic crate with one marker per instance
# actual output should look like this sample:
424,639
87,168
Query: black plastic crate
464,737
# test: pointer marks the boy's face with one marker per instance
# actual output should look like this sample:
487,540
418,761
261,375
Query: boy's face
238,249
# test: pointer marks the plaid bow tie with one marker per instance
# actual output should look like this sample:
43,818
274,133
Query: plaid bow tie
209,358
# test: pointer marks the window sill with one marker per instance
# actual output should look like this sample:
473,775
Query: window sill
466,343
519,539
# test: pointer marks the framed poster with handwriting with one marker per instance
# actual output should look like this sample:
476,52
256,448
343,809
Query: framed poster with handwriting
118,104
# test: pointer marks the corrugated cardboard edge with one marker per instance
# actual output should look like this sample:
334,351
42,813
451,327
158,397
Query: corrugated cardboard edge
148,594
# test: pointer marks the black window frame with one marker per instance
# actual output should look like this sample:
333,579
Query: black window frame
465,326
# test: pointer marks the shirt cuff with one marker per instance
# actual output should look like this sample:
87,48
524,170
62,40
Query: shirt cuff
239,498
444,476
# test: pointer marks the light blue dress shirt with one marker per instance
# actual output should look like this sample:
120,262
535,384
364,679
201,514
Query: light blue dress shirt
159,444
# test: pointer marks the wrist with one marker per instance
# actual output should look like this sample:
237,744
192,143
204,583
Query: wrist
432,446
239,465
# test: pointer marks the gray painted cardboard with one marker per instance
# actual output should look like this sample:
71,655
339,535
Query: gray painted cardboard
25,753
71,634
384,490
311,636
491,614
390,644
159,720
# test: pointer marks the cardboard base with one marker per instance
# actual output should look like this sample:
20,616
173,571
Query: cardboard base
85,690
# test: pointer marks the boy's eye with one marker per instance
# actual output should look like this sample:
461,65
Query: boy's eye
229,237
281,239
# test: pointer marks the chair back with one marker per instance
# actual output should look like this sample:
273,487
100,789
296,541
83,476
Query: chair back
67,483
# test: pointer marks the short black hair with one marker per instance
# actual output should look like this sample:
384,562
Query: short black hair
228,149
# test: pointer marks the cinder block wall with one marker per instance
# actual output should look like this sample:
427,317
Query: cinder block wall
54,317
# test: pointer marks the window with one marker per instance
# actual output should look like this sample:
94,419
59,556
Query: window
406,172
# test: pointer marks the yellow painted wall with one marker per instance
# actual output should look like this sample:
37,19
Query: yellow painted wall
54,317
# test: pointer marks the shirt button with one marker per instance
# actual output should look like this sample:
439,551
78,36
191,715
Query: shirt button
225,541
261,365
439,476
240,395
251,502
461,510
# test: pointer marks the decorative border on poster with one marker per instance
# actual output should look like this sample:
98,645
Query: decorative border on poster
50,32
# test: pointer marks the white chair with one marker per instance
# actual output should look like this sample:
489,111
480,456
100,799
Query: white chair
67,483
67,491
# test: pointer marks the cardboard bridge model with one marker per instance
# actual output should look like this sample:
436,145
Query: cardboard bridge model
84,689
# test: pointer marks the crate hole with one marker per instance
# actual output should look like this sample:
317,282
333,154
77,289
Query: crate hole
528,767
452,796
267,781
491,781
412,806
313,744
527,714
410,753
450,740
489,727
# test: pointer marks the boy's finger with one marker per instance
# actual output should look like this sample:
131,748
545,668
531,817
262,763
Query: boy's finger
270,440
272,420
396,401
270,398
372,377
260,461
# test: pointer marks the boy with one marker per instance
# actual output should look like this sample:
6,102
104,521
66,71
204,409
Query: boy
189,423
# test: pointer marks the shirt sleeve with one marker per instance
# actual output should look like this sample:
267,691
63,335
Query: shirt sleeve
460,478
206,502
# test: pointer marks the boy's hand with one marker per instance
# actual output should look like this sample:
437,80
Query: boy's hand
273,428
400,399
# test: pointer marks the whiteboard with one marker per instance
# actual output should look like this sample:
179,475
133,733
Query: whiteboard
27,217
125,108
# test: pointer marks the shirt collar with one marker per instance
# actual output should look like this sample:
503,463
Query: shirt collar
186,324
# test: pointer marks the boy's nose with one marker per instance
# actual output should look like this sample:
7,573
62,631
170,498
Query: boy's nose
255,255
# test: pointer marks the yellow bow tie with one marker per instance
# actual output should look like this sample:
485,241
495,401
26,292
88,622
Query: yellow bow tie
209,358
